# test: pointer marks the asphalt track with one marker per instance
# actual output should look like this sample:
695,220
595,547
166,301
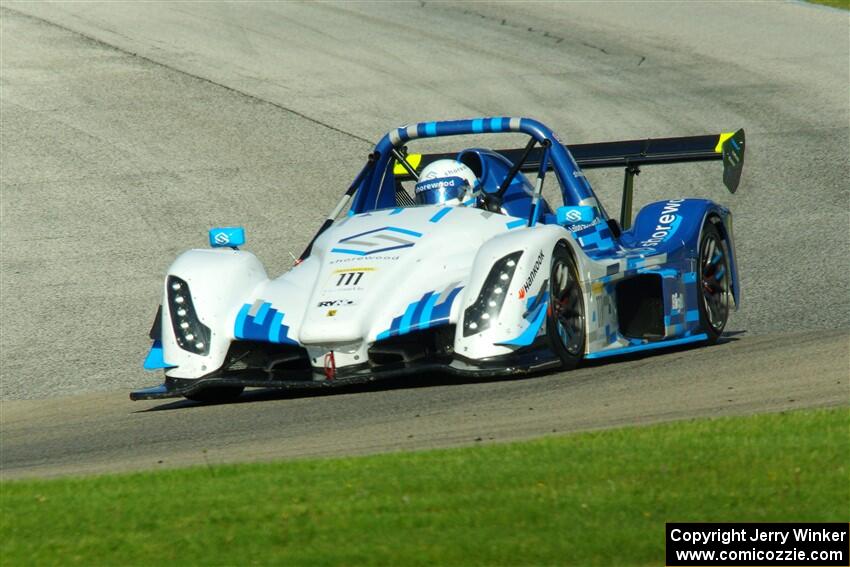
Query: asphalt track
127,130
96,433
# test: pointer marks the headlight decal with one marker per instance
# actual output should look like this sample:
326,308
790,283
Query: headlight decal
191,335
478,316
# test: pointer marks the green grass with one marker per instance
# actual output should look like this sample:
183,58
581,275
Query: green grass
834,3
587,499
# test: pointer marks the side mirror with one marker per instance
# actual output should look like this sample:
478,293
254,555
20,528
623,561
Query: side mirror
227,237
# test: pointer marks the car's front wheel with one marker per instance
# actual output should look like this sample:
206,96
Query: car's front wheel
565,315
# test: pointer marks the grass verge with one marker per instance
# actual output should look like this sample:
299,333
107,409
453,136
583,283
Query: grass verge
845,4
587,499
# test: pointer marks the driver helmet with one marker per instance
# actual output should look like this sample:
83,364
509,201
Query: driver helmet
446,182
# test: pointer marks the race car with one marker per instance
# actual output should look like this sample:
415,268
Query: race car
457,262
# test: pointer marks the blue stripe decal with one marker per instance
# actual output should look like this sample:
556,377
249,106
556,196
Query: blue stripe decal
428,308
530,333
155,359
417,313
276,329
347,251
256,331
692,315
421,314
647,346
397,211
690,277
404,327
261,314
496,124
440,214
443,310
532,303
270,328
478,125
431,129
515,224
392,228
379,250
397,229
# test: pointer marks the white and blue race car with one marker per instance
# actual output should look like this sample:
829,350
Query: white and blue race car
474,273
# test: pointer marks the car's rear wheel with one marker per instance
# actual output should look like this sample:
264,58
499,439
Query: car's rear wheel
714,282
565,314
216,394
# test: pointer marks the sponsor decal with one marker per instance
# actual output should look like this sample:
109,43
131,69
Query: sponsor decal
458,168
347,279
578,227
331,312
377,241
442,183
231,236
335,303
523,291
573,215
667,224
676,301
388,258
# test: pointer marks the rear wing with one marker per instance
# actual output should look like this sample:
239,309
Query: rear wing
630,154
728,147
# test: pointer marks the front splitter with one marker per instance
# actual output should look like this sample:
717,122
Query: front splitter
509,365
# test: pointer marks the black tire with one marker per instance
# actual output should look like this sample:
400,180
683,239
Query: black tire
714,282
216,394
565,323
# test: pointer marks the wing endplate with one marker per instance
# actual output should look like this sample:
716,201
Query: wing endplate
733,159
